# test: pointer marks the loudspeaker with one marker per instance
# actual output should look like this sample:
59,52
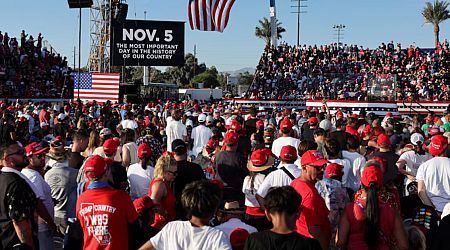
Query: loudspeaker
120,12
80,3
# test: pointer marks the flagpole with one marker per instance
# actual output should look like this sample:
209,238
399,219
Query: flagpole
79,54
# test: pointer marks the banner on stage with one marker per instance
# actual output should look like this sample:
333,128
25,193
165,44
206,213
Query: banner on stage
147,43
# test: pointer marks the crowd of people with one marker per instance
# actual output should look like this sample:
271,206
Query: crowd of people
189,175
341,71
29,70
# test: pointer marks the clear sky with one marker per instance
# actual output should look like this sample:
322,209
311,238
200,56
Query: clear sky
369,22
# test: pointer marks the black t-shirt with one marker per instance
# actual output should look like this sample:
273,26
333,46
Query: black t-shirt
341,138
18,203
187,172
390,175
268,240
250,126
75,160
6,130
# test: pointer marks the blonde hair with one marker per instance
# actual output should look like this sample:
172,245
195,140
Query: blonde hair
163,164
94,140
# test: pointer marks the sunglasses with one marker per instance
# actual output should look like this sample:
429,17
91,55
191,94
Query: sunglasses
20,152
174,173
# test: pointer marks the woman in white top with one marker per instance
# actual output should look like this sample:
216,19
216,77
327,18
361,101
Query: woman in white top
140,174
128,123
259,166
129,148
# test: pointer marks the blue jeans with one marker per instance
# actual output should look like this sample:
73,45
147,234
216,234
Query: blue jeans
46,240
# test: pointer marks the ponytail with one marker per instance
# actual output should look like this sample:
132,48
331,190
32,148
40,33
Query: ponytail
372,225
144,162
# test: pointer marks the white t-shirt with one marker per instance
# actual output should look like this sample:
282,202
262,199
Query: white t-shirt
283,141
200,135
347,168
181,235
413,160
250,199
278,178
139,180
45,194
357,162
435,174
130,124
175,130
234,223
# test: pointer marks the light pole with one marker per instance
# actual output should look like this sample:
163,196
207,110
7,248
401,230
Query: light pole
339,28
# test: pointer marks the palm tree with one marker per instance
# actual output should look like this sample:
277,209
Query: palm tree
435,14
263,30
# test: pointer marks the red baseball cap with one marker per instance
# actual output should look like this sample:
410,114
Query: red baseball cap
259,123
212,143
110,146
34,148
313,120
388,114
339,114
144,151
437,145
95,167
383,141
288,153
434,131
260,160
238,236
235,125
313,157
372,174
286,123
334,170
355,116
428,118
231,138
436,119
142,204
382,161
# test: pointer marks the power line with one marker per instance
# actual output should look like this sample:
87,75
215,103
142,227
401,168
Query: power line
298,10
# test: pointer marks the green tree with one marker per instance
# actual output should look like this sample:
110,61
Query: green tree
263,30
244,78
208,78
182,75
436,13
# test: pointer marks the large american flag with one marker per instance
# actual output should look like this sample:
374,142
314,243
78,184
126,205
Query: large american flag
97,86
209,15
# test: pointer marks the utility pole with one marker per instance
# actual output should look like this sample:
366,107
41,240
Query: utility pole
298,10
74,57
195,57
273,24
339,29
145,67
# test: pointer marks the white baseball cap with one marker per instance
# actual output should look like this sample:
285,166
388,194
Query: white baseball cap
202,118
416,137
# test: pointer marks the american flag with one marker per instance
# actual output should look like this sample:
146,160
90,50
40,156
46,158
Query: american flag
209,15
97,86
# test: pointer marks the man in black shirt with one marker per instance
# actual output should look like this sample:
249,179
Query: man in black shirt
340,135
19,203
250,123
187,172
80,143
7,129
281,205
61,128
230,166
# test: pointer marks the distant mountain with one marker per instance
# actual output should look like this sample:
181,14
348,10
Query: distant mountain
243,70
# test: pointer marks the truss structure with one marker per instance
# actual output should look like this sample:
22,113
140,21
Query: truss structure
100,27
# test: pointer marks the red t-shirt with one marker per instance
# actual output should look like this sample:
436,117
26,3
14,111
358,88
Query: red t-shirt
313,211
104,214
